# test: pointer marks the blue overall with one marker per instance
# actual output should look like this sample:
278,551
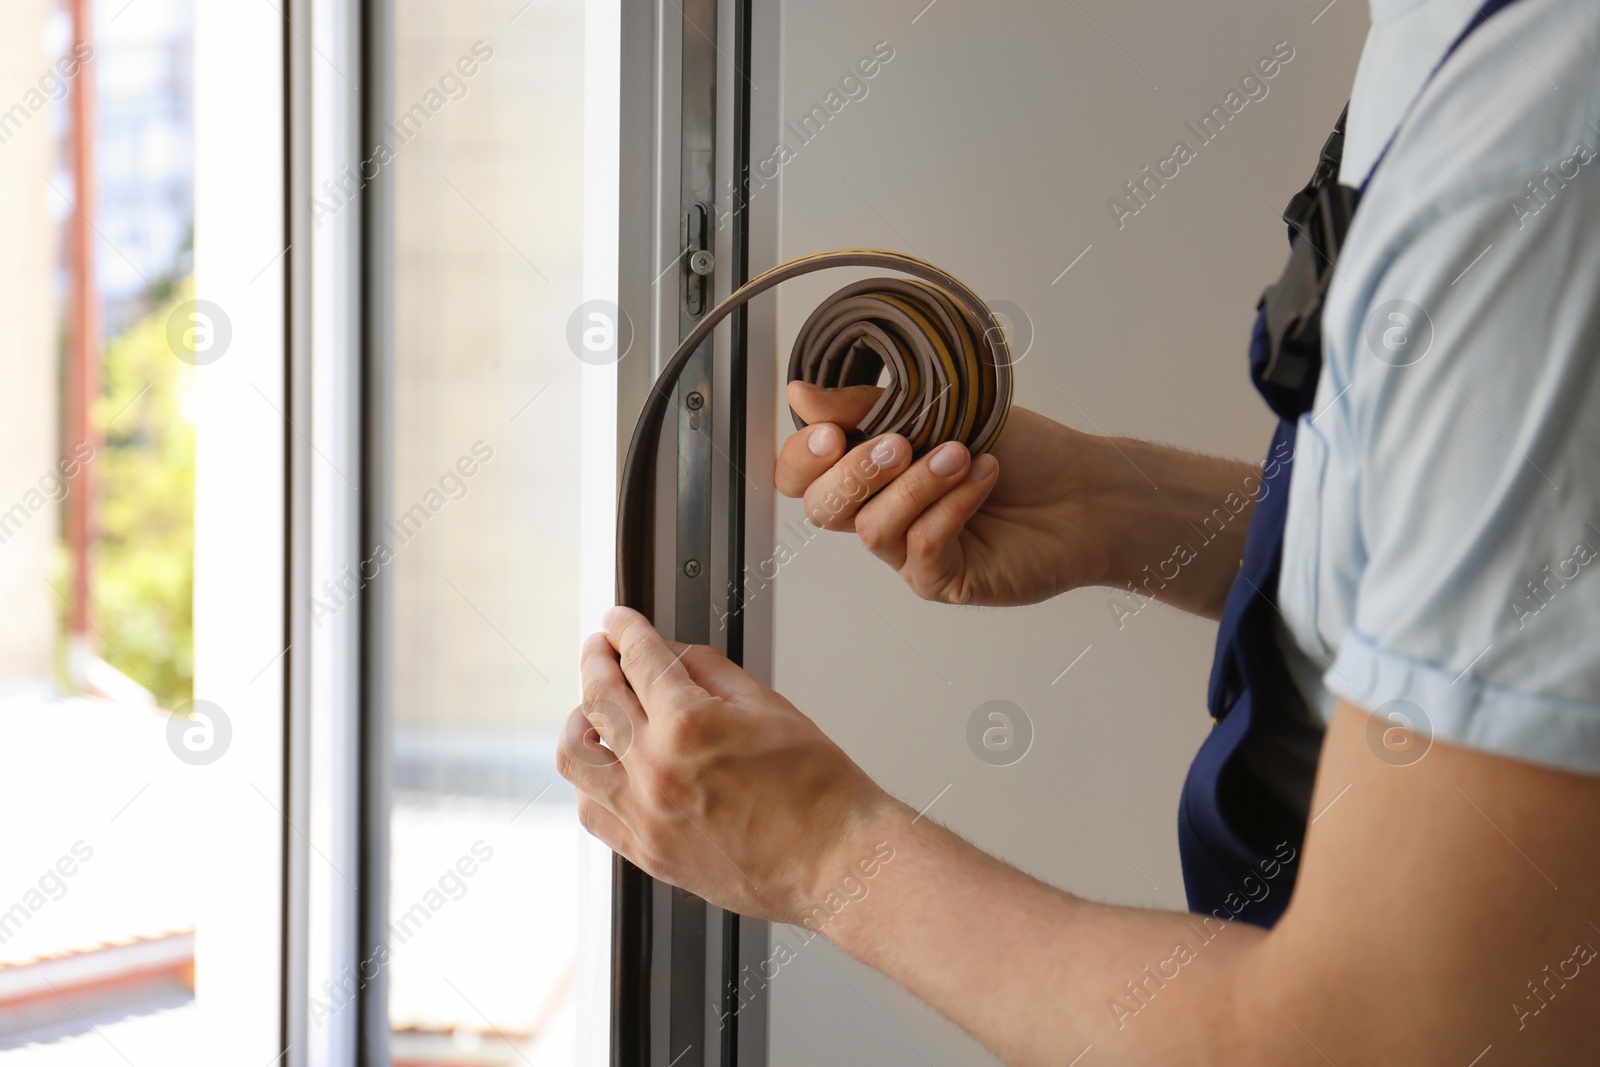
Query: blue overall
1239,841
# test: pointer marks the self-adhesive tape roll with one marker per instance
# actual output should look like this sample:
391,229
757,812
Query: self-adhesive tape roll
946,381
946,355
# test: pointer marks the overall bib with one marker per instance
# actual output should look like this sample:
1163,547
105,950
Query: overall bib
1239,841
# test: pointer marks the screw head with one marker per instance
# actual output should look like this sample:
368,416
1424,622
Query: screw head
695,401
692,568
702,262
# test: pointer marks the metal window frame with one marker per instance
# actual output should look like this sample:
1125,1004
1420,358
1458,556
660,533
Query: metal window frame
371,1044
679,969
325,266
338,59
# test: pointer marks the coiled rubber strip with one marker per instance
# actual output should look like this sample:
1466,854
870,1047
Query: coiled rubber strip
946,354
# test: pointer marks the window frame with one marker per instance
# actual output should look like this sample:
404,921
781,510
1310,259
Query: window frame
338,387
652,1011
242,604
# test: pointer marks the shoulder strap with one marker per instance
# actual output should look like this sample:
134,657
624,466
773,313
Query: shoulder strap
1319,216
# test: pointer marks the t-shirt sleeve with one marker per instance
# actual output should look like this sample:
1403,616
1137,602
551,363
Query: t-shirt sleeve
1473,409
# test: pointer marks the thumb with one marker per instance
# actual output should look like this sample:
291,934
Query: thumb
845,406
718,675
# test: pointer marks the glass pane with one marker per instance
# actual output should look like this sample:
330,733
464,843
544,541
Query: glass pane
487,145
102,753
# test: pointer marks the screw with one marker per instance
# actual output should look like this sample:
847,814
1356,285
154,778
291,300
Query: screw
692,568
702,262
695,401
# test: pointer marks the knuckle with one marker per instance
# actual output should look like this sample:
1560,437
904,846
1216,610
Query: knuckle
860,483
652,842
632,631
920,544
700,654
924,488
917,581
825,507
786,478
645,775
634,655
664,788
565,758
873,532
682,732
673,703
607,721
595,696
952,510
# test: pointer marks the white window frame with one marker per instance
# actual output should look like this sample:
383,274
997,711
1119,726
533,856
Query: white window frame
240,621
296,412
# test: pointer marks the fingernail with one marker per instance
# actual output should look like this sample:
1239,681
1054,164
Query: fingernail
947,459
823,440
982,467
610,617
886,452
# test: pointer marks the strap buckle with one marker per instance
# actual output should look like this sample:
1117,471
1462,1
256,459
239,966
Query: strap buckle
1318,217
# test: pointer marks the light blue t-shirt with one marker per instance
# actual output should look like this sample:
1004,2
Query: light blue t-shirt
1442,548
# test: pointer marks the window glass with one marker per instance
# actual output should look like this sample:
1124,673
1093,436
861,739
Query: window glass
103,745
487,167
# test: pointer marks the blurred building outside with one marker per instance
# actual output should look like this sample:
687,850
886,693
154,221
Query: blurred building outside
79,948
485,599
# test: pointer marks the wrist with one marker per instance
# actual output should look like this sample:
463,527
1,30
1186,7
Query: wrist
1175,522
853,867
1124,506
924,871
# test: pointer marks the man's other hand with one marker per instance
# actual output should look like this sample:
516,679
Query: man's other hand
708,779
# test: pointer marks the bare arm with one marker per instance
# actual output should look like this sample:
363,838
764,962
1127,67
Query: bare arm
1178,523
1442,908
1427,901
1052,509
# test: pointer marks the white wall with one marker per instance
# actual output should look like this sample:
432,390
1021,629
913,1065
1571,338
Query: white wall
990,144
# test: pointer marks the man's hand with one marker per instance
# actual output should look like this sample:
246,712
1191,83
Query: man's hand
711,781
1016,526
1048,510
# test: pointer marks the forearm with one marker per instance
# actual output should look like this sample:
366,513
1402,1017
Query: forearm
1176,523
1058,973
1427,938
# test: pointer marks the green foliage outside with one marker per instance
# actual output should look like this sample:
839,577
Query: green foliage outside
143,565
